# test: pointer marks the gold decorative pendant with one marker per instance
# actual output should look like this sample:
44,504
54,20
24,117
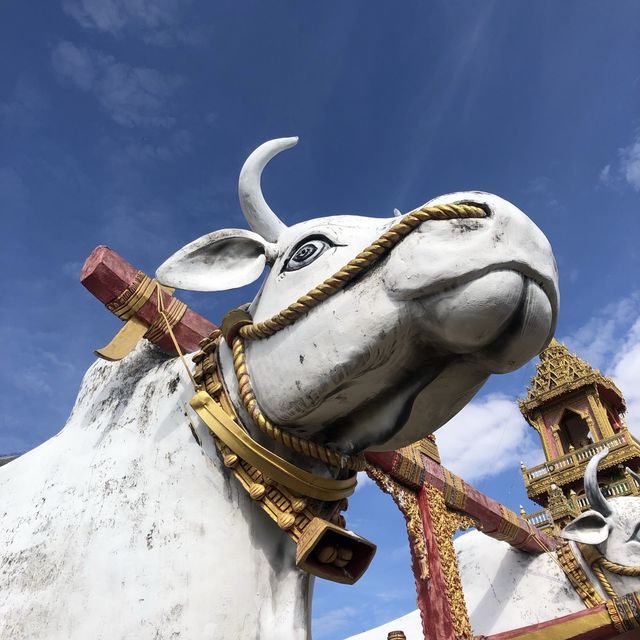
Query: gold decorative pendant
332,552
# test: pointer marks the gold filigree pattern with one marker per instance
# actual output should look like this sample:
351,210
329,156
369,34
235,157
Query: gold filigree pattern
445,524
454,492
576,575
625,612
407,502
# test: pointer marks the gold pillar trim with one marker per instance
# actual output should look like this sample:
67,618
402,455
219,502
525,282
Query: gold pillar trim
577,576
407,502
445,524
601,415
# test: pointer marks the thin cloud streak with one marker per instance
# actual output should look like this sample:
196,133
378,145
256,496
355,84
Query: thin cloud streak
132,96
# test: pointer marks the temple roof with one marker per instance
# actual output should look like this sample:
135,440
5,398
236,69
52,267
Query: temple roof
559,372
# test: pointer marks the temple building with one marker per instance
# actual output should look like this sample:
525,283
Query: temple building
577,412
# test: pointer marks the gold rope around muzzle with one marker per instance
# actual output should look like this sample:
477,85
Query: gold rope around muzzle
363,261
238,324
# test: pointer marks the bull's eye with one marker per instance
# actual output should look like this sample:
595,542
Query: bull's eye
306,252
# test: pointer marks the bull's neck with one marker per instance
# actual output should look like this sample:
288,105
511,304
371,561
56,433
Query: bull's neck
230,381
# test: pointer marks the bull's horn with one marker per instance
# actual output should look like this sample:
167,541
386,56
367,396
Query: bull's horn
591,488
634,475
255,208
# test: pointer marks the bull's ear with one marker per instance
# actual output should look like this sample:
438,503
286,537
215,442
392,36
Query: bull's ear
589,528
218,261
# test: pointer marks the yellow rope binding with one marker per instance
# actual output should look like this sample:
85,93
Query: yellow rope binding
300,445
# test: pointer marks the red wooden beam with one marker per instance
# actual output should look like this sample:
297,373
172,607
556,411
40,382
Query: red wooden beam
497,521
411,468
111,279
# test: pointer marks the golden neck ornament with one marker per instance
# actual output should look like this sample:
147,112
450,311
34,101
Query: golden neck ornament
304,505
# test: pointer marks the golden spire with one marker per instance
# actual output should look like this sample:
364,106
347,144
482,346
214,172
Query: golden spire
560,371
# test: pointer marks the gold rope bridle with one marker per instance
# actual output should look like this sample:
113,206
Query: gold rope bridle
238,324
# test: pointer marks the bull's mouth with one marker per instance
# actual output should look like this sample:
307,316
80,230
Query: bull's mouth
500,319
491,324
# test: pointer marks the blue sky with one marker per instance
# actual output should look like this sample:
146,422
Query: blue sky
126,123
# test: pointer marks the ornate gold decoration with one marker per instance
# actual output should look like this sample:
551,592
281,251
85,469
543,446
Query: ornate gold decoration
570,467
559,372
509,525
455,495
445,524
599,563
407,502
625,612
134,297
172,315
560,507
240,443
576,575
286,493
429,447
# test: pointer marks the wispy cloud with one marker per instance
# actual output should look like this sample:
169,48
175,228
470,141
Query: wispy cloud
610,341
132,96
24,106
334,621
140,150
500,436
625,169
113,16
626,372
145,227
363,481
158,22
542,190
600,340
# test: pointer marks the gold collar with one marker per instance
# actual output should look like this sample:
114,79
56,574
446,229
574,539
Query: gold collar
292,497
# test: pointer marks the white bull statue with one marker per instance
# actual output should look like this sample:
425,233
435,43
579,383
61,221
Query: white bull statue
128,525
506,589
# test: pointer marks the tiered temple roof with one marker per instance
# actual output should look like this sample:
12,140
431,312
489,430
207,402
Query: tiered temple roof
559,372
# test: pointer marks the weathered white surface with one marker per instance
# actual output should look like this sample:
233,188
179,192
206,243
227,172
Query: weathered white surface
613,525
121,526
409,623
504,589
